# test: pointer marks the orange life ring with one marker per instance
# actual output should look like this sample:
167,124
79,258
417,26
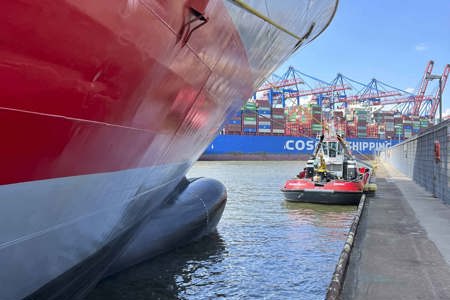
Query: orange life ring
437,151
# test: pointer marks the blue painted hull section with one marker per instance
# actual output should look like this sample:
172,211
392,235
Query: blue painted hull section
247,146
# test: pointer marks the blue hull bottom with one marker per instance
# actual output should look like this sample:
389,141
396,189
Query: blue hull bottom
192,211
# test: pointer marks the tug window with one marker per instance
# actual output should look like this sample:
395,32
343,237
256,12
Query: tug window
332,149
325,148
340,149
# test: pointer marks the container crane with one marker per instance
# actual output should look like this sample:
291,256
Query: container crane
376,92
421,104
412,103
325,89
423,86
372,91
339,81
436,99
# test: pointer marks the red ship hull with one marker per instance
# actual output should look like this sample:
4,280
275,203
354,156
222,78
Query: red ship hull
104,106
90,82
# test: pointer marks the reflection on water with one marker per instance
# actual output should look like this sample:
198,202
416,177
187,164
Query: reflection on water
266,248
167,276
320,215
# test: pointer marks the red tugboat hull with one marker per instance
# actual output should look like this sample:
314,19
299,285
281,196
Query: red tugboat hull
334,192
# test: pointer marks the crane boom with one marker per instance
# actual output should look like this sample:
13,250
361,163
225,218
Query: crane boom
423,86
373,95
436,99
404,100
322,90
278,84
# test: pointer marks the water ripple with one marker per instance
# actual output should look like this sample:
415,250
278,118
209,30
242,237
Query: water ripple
265,248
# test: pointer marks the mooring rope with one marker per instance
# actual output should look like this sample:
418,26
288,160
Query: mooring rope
256,13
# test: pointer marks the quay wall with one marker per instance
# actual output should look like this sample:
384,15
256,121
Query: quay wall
425,159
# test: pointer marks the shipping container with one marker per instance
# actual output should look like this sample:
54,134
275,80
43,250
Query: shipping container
261,130
275,130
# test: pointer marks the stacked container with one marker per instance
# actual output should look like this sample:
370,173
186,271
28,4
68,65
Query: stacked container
362,117
305,121
278,120
341,128
292,114
388,118
259,117
407,127
424,123
349,115
398,132
415,122
351,130
398,126
264,117
234,126
378,117
372,130
292,128
339,122
338,114
316,129
381,131
316,119
249,114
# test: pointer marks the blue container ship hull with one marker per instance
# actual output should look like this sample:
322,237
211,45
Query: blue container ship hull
270,147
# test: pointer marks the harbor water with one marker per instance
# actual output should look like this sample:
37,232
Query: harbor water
264,248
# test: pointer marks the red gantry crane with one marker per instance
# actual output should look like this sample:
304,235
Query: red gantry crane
423,86
421,104
437,97
412,103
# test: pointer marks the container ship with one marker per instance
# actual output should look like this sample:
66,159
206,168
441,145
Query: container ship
282,120
260,131
104,107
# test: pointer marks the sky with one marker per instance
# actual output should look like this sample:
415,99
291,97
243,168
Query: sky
390,40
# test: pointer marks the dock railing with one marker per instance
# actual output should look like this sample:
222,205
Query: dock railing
425,159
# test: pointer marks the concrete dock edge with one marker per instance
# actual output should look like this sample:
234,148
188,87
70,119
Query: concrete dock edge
337,280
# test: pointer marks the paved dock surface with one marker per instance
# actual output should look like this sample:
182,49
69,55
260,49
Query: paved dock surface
402,247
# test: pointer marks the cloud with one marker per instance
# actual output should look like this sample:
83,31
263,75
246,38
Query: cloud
410,90
446,113
421,47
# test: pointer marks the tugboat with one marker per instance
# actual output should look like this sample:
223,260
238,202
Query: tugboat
331,176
